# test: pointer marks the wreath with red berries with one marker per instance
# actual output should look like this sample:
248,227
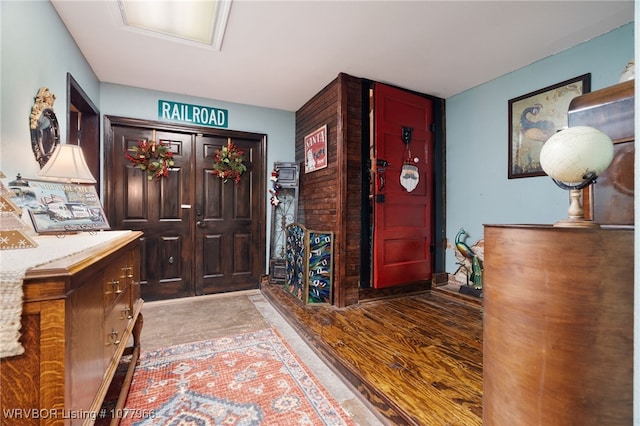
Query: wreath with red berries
153,157
228,163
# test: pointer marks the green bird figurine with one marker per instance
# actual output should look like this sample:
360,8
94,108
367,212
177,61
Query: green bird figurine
462,247
467,252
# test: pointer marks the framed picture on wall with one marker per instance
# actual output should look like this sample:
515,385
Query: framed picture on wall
65,208
315,150
534,117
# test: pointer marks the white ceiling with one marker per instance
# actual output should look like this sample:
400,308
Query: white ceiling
278,54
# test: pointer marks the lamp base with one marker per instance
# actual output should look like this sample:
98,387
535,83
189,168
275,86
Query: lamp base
576,213
576,223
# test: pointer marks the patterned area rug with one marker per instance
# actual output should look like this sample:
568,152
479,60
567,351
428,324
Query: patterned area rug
248,379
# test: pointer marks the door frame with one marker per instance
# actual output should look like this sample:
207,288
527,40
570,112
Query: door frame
260,261
86,133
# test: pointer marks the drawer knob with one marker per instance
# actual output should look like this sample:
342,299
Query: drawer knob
128,271
127,312
116,286
114,337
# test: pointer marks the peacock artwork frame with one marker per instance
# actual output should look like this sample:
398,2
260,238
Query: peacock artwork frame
534,117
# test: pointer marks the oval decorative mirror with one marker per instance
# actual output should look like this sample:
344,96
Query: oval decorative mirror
45,134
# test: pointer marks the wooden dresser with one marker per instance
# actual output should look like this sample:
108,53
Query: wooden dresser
80,315
558,326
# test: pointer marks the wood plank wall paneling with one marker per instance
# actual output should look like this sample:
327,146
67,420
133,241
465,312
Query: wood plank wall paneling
352,143
330,198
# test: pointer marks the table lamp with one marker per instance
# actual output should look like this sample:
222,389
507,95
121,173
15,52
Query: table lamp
67,164
574,158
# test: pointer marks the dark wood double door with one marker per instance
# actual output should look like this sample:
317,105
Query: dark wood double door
201,235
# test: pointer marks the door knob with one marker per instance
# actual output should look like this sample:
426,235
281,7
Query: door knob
200,224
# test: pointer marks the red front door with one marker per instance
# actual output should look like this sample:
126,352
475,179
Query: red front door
403,218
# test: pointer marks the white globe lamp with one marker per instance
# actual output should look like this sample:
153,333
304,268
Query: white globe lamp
574,158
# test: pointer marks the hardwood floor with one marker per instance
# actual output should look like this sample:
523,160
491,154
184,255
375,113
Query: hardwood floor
417,358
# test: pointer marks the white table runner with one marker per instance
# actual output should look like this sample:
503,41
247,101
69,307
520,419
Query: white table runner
15,263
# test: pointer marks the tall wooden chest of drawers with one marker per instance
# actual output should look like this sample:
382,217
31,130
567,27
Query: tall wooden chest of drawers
80,315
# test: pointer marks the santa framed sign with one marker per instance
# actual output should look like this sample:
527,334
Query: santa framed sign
315,150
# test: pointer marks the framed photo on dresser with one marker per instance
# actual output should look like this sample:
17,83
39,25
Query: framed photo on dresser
65,208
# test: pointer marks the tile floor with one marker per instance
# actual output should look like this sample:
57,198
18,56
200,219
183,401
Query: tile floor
198,318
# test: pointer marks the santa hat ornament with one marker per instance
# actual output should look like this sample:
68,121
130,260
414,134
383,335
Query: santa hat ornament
409,176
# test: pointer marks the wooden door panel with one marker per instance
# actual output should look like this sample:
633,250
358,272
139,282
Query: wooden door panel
143,265
404,248
212,265
134,193
171,246
392,150
212,193
227,218
407,109
403,220
171,188
155,207
404,216
241,254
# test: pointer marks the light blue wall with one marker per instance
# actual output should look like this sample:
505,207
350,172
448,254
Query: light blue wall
36,51
278,125
478,190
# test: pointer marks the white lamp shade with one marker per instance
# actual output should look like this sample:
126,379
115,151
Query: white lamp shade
67,164
572,153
